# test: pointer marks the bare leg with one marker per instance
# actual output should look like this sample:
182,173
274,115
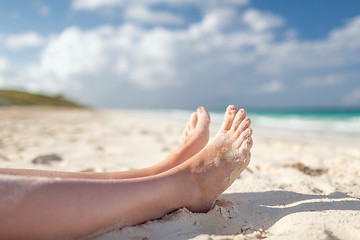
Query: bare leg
195,137
71,208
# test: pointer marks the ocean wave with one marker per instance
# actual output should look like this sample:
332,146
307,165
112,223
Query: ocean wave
343,125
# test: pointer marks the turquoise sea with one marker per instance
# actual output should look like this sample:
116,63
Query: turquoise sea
329,121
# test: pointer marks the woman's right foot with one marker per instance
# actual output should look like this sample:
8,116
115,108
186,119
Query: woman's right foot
215,168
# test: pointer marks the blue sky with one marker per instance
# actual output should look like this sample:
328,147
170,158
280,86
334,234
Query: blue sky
182,53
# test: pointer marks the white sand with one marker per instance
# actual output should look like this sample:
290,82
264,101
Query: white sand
269,200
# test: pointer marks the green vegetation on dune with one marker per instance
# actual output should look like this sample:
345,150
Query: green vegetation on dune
20,98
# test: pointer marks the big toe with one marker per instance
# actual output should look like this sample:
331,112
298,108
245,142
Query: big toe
193,120
203,118
229,117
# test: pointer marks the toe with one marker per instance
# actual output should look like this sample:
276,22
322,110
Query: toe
244,135
189,126
243,126
203,118
193,120
229,117
240,116
247,144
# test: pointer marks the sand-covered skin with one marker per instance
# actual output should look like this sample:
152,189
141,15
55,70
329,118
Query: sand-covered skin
297,186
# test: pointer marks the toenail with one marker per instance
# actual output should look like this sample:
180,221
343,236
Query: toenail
241,110
231,111
247,120
200,109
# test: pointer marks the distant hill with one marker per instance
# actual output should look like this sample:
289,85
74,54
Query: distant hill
20,98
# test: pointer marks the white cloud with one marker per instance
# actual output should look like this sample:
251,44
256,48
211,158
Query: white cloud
141,11
348,34
271,87
24,40
4,67
339,49
75,52
326,80
290,34
260,21
145,15
4,64
213,21
130,53
96,4
353,97
44,10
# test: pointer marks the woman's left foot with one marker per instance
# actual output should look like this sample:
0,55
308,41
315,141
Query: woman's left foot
194,138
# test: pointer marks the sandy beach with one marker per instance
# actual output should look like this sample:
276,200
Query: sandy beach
297,185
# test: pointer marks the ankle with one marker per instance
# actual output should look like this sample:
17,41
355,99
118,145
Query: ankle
194,187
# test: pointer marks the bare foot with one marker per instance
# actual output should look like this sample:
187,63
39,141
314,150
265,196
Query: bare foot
216,167
194,138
